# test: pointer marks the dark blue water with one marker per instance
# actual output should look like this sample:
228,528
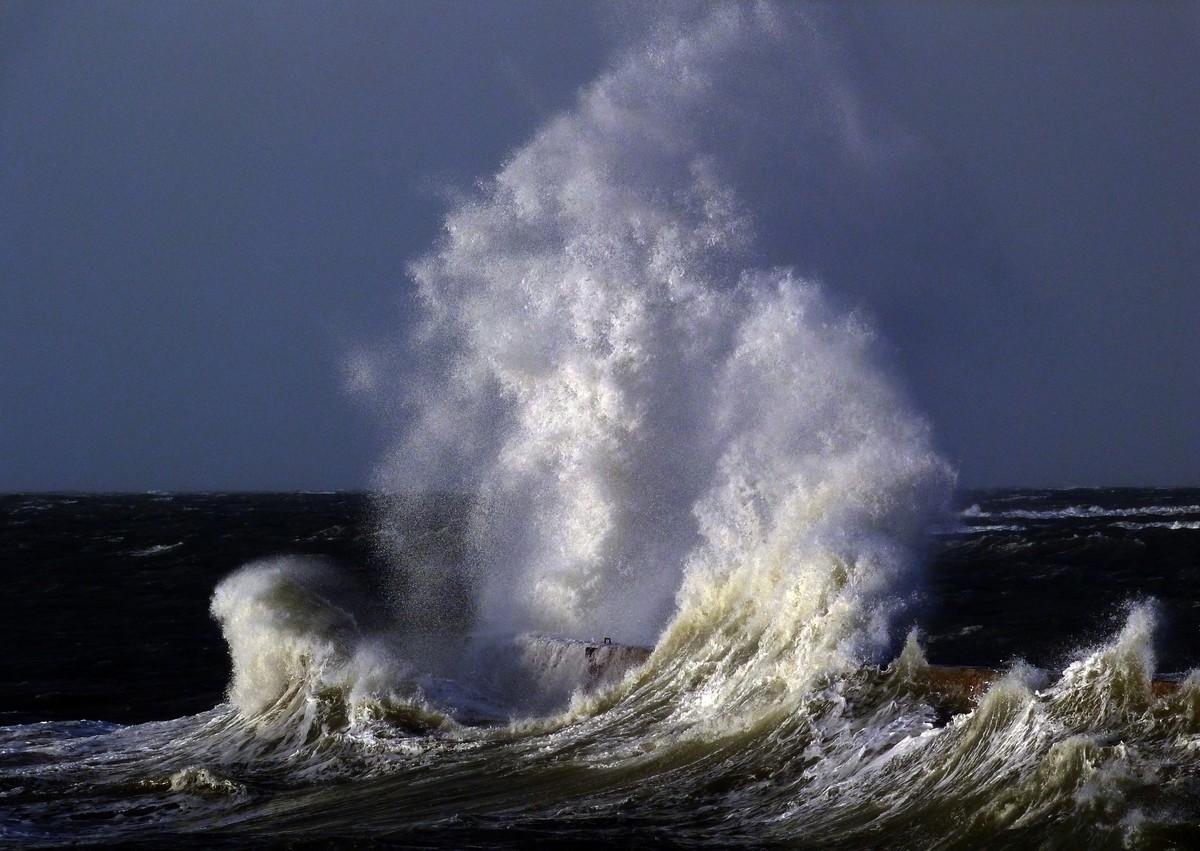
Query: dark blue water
107,595
106,626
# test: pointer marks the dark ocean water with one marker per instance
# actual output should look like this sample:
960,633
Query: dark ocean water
106,626
109,593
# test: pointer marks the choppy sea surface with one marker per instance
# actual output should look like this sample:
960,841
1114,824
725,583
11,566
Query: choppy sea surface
226,669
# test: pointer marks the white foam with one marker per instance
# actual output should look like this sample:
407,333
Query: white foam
1082,511
292,641
1174,526
158,549
657,432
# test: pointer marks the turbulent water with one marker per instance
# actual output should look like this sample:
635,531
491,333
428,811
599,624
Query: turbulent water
612,422
120,723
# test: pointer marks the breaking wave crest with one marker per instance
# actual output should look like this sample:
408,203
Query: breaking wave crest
302,662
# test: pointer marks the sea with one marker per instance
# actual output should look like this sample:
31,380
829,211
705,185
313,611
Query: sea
660,551
120,725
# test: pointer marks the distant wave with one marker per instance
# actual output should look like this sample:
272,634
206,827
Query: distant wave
157,549
1082,511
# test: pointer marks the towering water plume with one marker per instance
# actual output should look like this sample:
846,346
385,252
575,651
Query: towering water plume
651,428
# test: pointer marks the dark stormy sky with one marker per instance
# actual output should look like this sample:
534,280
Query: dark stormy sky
207,207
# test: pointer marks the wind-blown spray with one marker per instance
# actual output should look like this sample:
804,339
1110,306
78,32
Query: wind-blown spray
650,427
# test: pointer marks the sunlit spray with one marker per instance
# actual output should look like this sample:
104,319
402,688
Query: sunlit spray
651,428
